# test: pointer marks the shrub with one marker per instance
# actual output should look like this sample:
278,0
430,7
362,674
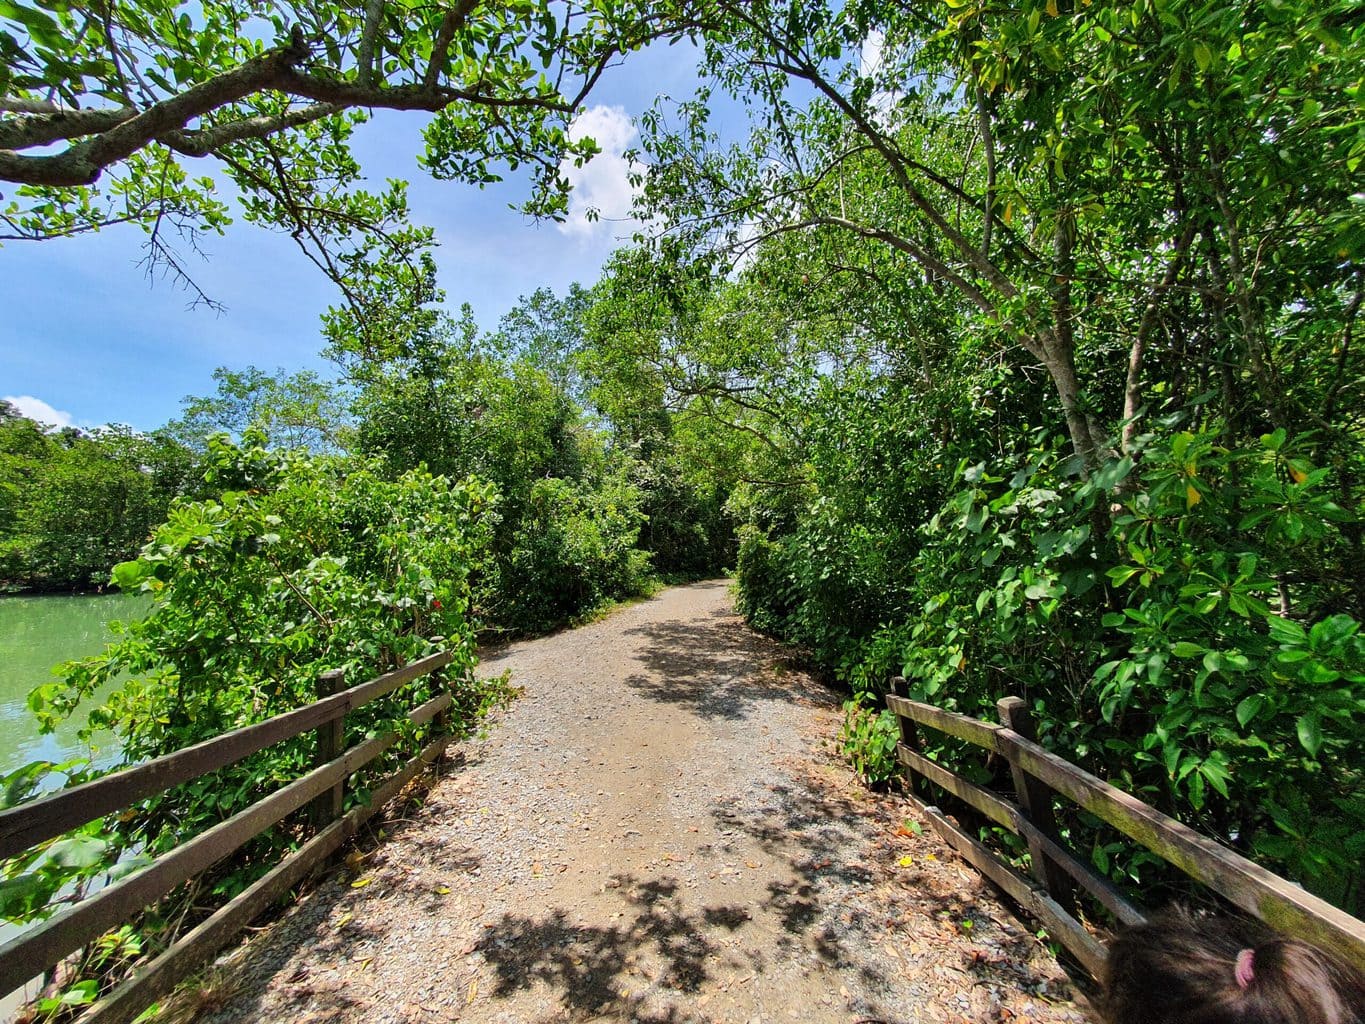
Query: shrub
573,547
296,567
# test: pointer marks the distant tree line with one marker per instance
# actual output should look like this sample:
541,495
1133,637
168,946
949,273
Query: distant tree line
585,513
74,502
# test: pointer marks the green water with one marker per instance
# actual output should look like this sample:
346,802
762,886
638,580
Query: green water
35,634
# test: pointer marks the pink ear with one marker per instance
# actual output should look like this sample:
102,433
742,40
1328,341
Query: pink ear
1244,971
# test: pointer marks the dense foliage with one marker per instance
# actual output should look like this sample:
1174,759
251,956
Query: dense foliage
295,566
1049,367
466,493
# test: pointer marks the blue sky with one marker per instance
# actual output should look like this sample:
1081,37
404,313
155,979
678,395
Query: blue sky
84,332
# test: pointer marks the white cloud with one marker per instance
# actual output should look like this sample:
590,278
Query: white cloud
871,58
602,185
871,55
37,409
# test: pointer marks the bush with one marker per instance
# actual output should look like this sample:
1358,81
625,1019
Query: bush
1179,624
572,549
296,567
763,584
1190,653
868,739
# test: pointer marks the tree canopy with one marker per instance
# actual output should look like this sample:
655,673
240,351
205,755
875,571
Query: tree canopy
104,111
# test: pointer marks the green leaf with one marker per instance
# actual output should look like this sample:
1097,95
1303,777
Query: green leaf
78,851
129,575
1113,473
1310,733
1286,631
1249,708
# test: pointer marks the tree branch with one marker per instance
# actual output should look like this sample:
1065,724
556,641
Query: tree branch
983,120
915,251
450,24
1132,391
82,163
208,140
400,97
20,105
38,129
364,54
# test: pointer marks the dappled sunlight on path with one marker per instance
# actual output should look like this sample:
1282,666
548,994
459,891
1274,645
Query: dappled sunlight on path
657,831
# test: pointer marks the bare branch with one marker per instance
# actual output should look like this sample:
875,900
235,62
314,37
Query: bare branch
799,67
36,129
29,235
208,140
1344,351
19,105
905,245
983,120
364,54
450,24
1132,391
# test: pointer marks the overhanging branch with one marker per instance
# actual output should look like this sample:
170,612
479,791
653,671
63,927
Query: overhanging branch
116,134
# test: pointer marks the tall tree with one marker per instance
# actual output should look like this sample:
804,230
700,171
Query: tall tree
295,410
1082,177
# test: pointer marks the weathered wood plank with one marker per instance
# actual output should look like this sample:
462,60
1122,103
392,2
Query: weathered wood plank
1010,816
1065,928
1104,891
1035,800
983,734
330,740
990,804
47,943
909,733
47,817
1281,904
193,949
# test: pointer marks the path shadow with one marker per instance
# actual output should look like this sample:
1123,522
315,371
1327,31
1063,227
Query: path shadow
802,828
590,968
717,669
820,907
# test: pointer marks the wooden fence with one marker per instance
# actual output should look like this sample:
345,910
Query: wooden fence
1038,774
322,788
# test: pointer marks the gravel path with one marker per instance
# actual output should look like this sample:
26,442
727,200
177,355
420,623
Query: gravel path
657,831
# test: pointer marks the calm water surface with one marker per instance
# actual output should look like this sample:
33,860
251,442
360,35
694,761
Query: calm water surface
35,634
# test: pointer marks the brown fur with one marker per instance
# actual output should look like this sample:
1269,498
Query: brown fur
1182,970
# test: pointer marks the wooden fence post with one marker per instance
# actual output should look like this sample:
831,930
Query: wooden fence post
919,787
1035,799
331,741
440,725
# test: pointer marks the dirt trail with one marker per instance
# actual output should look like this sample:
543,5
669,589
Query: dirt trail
657,831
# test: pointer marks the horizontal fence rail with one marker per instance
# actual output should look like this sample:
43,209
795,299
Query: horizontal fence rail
36,822
45,945
1037,774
